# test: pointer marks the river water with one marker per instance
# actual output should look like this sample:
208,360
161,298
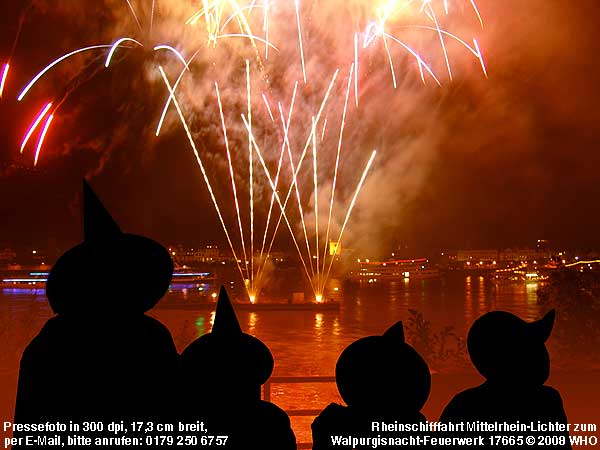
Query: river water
308,343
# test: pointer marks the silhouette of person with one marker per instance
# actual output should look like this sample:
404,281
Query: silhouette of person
222,376
511,354
383,380
100,358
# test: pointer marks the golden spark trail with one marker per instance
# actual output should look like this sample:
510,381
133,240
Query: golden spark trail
168,101
356,69
302,156
116,45
358,189
374,30
268,107
282,207
480,57
152,16
391,62
300,39
476,51
213,15
41,139
251,169
266,26
176,52
134,14
476,9
4,75
337,163
437,26
286,126
260,271
295,185
315,178
35,124
262,249
324,128
420,60
54,63
202,169
231,174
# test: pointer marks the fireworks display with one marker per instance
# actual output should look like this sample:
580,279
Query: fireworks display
226,70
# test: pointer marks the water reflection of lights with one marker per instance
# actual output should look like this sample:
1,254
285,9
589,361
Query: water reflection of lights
531,293
336,327
252,320
481,293
468,300
319,320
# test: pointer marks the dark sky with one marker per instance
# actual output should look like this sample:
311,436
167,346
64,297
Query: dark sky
491,162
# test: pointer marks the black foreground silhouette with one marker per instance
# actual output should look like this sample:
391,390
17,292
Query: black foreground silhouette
100,358
222,376
511,354
382,379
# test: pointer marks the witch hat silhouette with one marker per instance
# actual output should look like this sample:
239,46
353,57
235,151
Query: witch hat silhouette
504,347
226,323
232,355
97,222
110,271
383,373
222,372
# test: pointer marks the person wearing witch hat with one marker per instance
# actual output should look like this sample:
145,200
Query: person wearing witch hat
222,375
511,355
383,380
100,358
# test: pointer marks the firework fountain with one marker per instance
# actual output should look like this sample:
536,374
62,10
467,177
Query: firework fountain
283,159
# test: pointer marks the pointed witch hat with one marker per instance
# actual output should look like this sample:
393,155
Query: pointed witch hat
110,272
227,352
383,373
502,345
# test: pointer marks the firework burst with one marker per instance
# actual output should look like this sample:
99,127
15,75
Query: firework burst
216,45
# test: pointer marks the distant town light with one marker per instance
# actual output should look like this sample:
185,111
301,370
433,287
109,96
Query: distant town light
34,252
213,295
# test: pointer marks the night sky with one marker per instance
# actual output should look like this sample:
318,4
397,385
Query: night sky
475,163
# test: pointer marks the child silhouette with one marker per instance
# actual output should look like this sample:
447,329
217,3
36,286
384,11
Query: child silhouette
511,354
100,357
222,376
381,379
